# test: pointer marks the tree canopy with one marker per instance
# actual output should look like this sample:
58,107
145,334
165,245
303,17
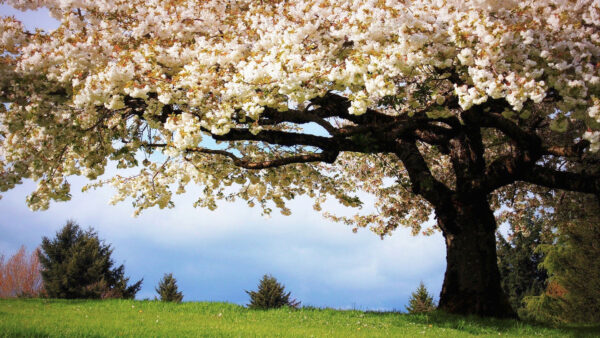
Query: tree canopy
445,106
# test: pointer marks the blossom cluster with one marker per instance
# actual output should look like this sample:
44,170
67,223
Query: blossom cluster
222,62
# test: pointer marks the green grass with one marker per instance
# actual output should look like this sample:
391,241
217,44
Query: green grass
114,318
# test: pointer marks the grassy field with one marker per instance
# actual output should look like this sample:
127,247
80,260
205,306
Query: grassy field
118,318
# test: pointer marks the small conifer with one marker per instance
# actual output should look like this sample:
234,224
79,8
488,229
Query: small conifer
167,289
270,294
420,301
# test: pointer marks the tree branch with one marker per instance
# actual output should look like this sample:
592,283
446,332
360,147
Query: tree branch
325,156
502,171
579,182
576,150
272,116
423,182
522,138
328,157
283,138
333,105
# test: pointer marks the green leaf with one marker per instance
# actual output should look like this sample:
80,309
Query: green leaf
561,124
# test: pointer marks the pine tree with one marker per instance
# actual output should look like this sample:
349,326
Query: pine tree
167,289
519,257
270,294
420,301
76,264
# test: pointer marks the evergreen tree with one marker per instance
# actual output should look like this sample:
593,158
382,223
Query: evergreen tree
167,289
519,258
76,264
270,294
573,293
420,301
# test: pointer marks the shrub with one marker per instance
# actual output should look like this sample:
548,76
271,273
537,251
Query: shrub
270,294
167,289
420,301
76,264
20,275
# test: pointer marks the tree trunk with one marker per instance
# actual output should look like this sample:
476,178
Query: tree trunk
472,279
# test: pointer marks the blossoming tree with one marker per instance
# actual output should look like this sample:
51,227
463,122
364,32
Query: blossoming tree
444,106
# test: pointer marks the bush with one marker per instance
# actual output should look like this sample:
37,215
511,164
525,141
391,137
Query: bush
76,264
20,275
549,307
167,289
270,294
420,301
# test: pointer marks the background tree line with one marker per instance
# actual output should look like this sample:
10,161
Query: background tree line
74,264
548,262
20,275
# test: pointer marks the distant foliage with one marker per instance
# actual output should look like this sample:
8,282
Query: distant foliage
519,258
167,289
270,294
573,292
420,301
76,264
20,275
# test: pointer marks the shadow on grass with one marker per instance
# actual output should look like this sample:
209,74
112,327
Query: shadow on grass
479,325
35,333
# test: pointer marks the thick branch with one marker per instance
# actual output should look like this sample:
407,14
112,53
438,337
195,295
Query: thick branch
433,138
283,138
524,139
528,149
328,157
576,150
333,105
466,152
423,182
555,179
504,170
272,116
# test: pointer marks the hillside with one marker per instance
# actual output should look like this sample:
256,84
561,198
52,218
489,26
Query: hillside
112,318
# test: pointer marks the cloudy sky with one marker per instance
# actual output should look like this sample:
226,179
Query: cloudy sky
216,255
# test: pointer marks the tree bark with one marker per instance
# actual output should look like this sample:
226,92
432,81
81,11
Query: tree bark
472,279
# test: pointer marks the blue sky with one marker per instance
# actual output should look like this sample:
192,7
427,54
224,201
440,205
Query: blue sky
216,255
